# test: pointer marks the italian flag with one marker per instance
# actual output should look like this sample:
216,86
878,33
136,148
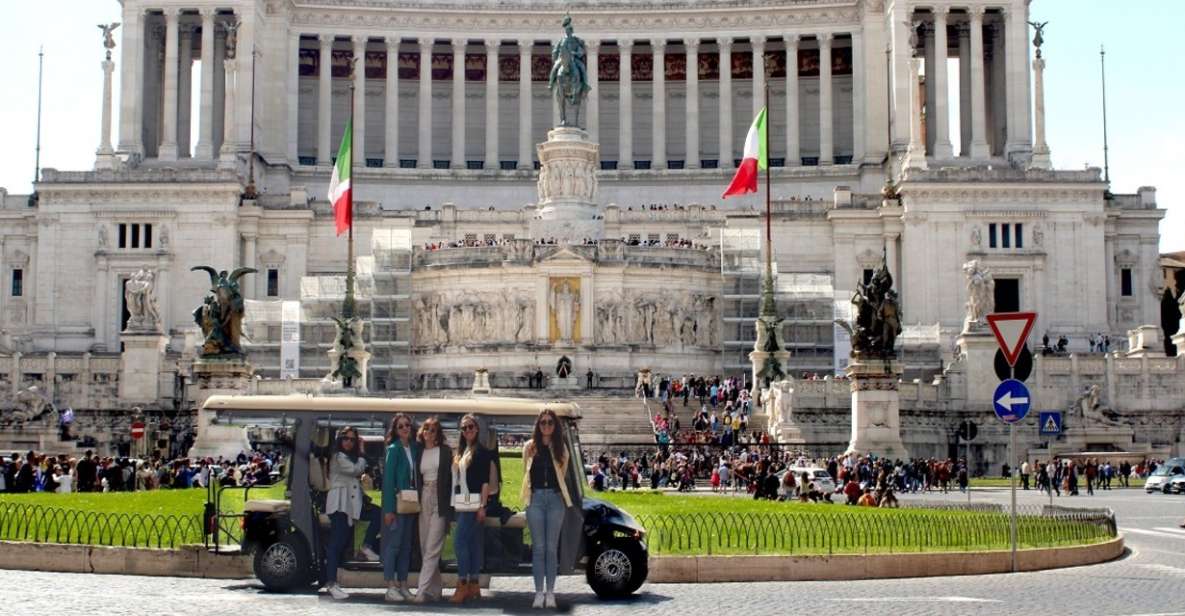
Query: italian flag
340,193
756,157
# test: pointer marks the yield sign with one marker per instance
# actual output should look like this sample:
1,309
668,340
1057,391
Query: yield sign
1011,330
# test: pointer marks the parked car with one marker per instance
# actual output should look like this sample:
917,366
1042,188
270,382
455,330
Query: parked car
1177,485
1162,478
823,481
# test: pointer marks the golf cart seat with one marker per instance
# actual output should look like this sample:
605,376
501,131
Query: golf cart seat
518,520
267,506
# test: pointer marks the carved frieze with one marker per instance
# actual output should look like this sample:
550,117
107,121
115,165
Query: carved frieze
456,318
657,318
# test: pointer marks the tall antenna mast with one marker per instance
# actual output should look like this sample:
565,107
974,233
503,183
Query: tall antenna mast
1106,156
37,154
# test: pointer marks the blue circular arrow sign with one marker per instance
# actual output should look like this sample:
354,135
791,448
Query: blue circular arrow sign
1011,401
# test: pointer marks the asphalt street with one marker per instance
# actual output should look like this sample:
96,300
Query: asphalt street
1148,581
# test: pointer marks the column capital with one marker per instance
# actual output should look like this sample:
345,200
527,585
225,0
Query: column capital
826,39
940,11
758,44
976,13
325,40
625,45
392,43
592,45
791,40
691,45
725,44
360,41
206,13
524,45
492,45
426,43
459,44
658,45
172,13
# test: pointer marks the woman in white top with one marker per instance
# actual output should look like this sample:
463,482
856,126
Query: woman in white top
64,480
344,505
434,480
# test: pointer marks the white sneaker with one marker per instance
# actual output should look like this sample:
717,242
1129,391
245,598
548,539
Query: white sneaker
393,595
370,554
549,600
336,592
538,603
404,592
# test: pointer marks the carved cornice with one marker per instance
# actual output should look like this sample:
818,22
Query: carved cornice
1000,194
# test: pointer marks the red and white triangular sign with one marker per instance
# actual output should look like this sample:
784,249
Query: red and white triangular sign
1011,330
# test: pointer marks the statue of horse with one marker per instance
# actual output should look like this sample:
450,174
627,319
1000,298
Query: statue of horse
569,77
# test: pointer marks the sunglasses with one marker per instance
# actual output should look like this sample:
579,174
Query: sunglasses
546,422
348,438
468,427
402,426
430,429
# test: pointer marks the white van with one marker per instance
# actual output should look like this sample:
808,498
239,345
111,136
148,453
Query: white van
823,481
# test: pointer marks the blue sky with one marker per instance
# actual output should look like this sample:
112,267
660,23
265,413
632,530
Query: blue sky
1145,82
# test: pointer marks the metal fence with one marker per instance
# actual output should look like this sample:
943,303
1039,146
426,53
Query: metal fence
845,530
41,524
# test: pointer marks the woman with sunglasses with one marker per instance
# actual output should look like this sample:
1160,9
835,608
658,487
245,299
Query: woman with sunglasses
545,493
472,466
401,503
434,482
344,505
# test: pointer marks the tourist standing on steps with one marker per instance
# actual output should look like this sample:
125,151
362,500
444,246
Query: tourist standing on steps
473,466
401,504
434,480
545,493
344,505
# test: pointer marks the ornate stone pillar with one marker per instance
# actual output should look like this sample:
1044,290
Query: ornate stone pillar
1017,52
826,113
915,153
525,160
793,148
324,92
391,100
943,149
457,157
625,156
249,261
168,142
964,90
292,89
725,47
105,156
424,151
659,100
979,146
592,50
230,114
1041,158
131,84
205,144
758,44
491,154
859,98
184,90
358,142
693,154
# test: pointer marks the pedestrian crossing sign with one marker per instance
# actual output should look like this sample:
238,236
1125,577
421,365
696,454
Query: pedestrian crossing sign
1051,423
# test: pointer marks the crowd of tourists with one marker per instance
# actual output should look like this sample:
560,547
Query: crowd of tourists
490,242
33,472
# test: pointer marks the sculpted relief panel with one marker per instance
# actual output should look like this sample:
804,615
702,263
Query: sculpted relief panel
453,318
661,318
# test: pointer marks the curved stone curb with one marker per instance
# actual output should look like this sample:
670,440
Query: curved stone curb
704,569
188,561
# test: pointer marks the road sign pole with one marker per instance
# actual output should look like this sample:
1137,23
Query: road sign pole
1012,483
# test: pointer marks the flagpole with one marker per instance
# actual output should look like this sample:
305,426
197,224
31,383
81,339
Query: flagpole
348,303
768,307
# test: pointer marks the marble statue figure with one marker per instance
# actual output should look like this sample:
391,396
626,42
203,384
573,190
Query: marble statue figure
108,40
1090,409
981,289
139,295
569,77
565,303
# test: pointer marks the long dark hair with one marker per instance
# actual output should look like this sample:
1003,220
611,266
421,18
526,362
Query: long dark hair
559,442
393,432
423,431
353,454
463,448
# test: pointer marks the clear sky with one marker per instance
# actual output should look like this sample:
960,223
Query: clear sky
1145,83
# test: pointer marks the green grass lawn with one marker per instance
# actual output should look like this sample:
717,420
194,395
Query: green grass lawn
676,523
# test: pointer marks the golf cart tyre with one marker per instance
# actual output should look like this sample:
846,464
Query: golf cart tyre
617,570
284,565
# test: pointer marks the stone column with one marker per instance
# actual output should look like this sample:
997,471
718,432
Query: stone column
391,100
793,149
943,149
229,144
205,144
292,87
105,158
915,153
979,146
184,90
1041,159
692,156
930,96
358,139
424,151
725,47
131,84
491,156
525,160
457,157
965,90
249,261
625,156
1016,50
592,117
859,112
758,45
826,113
168,142
659,99
324,92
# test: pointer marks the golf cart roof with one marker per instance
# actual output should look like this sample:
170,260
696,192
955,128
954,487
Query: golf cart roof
298,404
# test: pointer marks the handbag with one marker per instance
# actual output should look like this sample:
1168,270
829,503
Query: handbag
463,500
407,501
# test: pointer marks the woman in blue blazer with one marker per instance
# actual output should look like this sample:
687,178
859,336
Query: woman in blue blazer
400,506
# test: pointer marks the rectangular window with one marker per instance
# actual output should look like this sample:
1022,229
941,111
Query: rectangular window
135,236
470,238
123,235
273,282
18,282
508,236
1125,282
867,275
148,236
491,238
672,237
1020,235
992,235
635,238
1005,236
652,237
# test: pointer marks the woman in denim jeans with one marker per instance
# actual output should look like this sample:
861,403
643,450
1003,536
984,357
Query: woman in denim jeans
545,492
399,480
472,466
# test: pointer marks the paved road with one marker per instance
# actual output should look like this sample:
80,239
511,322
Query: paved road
1150,580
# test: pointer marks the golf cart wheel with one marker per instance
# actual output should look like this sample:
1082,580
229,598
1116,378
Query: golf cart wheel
283,565
617,570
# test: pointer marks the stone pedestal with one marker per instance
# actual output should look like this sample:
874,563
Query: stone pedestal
978,347
1145,341
219,377
362,357
567,186
570,383
481,381
778,404
876,420
140,364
